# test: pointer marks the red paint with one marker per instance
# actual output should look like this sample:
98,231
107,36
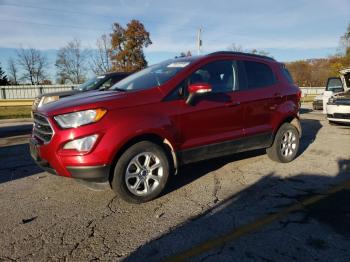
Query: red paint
220,117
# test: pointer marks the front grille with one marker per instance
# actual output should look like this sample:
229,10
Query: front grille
42,128
342,116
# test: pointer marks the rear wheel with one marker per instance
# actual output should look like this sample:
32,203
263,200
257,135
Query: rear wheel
141,173
286,144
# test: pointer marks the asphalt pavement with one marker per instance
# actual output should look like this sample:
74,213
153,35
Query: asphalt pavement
238,208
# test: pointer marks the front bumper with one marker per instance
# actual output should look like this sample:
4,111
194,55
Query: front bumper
338,113
68,166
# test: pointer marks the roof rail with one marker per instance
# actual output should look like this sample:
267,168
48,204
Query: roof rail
240,53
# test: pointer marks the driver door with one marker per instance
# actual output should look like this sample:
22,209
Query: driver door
215,119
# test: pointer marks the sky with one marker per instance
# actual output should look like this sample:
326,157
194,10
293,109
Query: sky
288,30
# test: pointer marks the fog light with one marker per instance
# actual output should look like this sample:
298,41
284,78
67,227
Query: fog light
82,144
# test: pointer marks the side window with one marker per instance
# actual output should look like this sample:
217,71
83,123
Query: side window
258,75
221,75
287,75
116,79
107,84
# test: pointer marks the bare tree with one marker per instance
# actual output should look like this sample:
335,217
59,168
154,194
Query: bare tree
100,61
235,48
345,42
12,71
33,63
238,48
71,63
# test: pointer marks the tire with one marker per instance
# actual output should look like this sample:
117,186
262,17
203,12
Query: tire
332,123
137,180
285,145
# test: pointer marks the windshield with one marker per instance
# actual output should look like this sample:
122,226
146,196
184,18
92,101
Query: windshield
152,76
91,83
335,85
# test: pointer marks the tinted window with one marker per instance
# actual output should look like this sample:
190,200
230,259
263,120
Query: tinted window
221,75
258,74
117,78
287,75
335,85
92,83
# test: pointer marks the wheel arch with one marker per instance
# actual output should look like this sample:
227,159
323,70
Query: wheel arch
151,137
293,120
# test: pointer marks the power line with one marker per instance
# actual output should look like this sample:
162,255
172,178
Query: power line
51,25
82,13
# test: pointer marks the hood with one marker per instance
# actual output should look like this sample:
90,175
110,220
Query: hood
105,99
342,95
340,98
60,94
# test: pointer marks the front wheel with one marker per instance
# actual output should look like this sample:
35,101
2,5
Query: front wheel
285,145
141,173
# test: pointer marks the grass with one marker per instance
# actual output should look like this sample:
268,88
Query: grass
8,112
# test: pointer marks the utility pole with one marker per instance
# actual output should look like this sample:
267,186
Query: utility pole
199,41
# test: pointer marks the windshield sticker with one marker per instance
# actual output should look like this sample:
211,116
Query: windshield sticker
179,64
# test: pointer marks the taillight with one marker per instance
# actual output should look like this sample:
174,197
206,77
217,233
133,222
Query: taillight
299,94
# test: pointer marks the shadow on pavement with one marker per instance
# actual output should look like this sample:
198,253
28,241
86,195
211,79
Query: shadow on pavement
17,130
267,197
304,110
16,163
191,172
310,128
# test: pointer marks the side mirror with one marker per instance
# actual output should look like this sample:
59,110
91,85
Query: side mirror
197,89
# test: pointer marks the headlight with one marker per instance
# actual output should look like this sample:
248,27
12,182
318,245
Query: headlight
331,100
80,118
48,99
82,144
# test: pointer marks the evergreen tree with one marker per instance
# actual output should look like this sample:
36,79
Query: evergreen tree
3,78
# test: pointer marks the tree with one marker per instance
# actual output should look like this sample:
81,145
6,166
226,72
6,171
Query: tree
127,46
235,48
33,63
3,78
100,61
12,71
185,54
238,48
345,42
71,63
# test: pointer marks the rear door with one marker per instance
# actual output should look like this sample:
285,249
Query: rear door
261,97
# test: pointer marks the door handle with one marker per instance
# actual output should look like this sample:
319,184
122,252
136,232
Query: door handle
233,104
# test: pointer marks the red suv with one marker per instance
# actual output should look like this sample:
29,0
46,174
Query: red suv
140,131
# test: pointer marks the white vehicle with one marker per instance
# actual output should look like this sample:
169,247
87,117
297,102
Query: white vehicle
334,86
317,104
338,105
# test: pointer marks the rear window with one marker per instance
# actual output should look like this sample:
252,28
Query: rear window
258,75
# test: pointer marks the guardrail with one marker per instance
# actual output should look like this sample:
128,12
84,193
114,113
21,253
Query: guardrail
30,91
